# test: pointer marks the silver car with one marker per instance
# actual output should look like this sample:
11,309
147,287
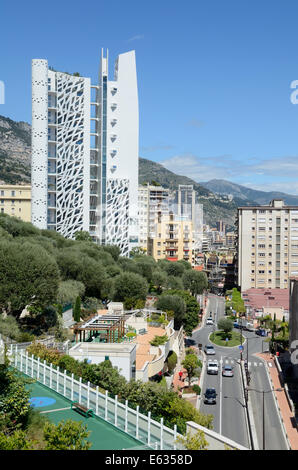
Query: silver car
227,371
209,350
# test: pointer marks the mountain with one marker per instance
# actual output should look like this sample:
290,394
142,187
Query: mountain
247,194
216,206
219,198
15,151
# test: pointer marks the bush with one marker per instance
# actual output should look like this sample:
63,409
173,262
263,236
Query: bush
172,361
197,389
131,334
159,340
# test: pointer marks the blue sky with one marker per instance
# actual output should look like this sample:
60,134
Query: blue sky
214,76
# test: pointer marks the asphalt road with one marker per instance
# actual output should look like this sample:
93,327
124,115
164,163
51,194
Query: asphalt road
229,412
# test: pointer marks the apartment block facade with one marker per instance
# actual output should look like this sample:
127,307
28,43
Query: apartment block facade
85,152
152,201
15,200
267,245
172,240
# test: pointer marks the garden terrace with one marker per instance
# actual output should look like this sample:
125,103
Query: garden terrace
101,328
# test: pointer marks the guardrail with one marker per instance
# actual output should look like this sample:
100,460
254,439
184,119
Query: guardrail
150,432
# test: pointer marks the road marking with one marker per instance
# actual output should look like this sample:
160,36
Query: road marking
220,400
260,363
269,364
255,364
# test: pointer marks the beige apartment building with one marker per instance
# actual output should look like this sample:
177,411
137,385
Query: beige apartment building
15,200
267,245
172,240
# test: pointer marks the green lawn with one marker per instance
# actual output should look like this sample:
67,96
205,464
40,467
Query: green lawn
219,338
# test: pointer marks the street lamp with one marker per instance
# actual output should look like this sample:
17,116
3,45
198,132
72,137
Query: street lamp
263,392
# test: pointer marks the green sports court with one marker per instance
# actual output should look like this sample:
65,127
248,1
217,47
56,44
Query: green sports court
103,435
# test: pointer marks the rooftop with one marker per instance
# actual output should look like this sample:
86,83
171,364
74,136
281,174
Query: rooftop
143,345
259,298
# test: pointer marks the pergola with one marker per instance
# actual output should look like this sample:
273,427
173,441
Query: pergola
107,325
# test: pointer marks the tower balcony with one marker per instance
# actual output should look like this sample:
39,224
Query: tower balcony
113,153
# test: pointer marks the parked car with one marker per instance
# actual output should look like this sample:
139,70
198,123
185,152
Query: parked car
209,350
227,371
236,324
212,367
261,332
210,396
209,321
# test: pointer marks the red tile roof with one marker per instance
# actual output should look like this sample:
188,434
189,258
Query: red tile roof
259,298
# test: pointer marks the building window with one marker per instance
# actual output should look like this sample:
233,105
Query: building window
13,193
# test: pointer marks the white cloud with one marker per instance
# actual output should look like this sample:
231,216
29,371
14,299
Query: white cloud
196,123
278,173
136,38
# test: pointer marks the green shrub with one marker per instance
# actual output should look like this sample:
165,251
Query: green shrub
172,361
159,340
131,334
197,389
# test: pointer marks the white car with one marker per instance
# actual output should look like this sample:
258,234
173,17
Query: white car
209,321
209,350
212,367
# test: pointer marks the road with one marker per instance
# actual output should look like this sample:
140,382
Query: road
230,412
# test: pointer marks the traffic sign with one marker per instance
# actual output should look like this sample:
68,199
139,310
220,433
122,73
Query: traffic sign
241,348
227,339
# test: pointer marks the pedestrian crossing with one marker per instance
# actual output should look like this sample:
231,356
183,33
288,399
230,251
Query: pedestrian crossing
232,362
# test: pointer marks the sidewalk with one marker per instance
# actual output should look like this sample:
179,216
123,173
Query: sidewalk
286,413
178,382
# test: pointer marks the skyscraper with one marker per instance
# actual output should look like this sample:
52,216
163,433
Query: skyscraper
85,152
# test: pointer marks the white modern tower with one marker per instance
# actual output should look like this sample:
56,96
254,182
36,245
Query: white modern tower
85,152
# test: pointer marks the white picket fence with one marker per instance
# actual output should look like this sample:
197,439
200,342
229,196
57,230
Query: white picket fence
142,427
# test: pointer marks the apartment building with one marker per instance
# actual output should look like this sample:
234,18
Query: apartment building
172,240
85,152
185,205
267,245
15,200
152,200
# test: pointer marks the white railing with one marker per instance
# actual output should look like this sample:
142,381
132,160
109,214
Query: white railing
142,427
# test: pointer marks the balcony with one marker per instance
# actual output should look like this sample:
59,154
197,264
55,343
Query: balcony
113,106
113,122
113,153
113,137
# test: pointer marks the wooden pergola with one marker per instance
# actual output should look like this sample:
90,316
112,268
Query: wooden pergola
108,325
